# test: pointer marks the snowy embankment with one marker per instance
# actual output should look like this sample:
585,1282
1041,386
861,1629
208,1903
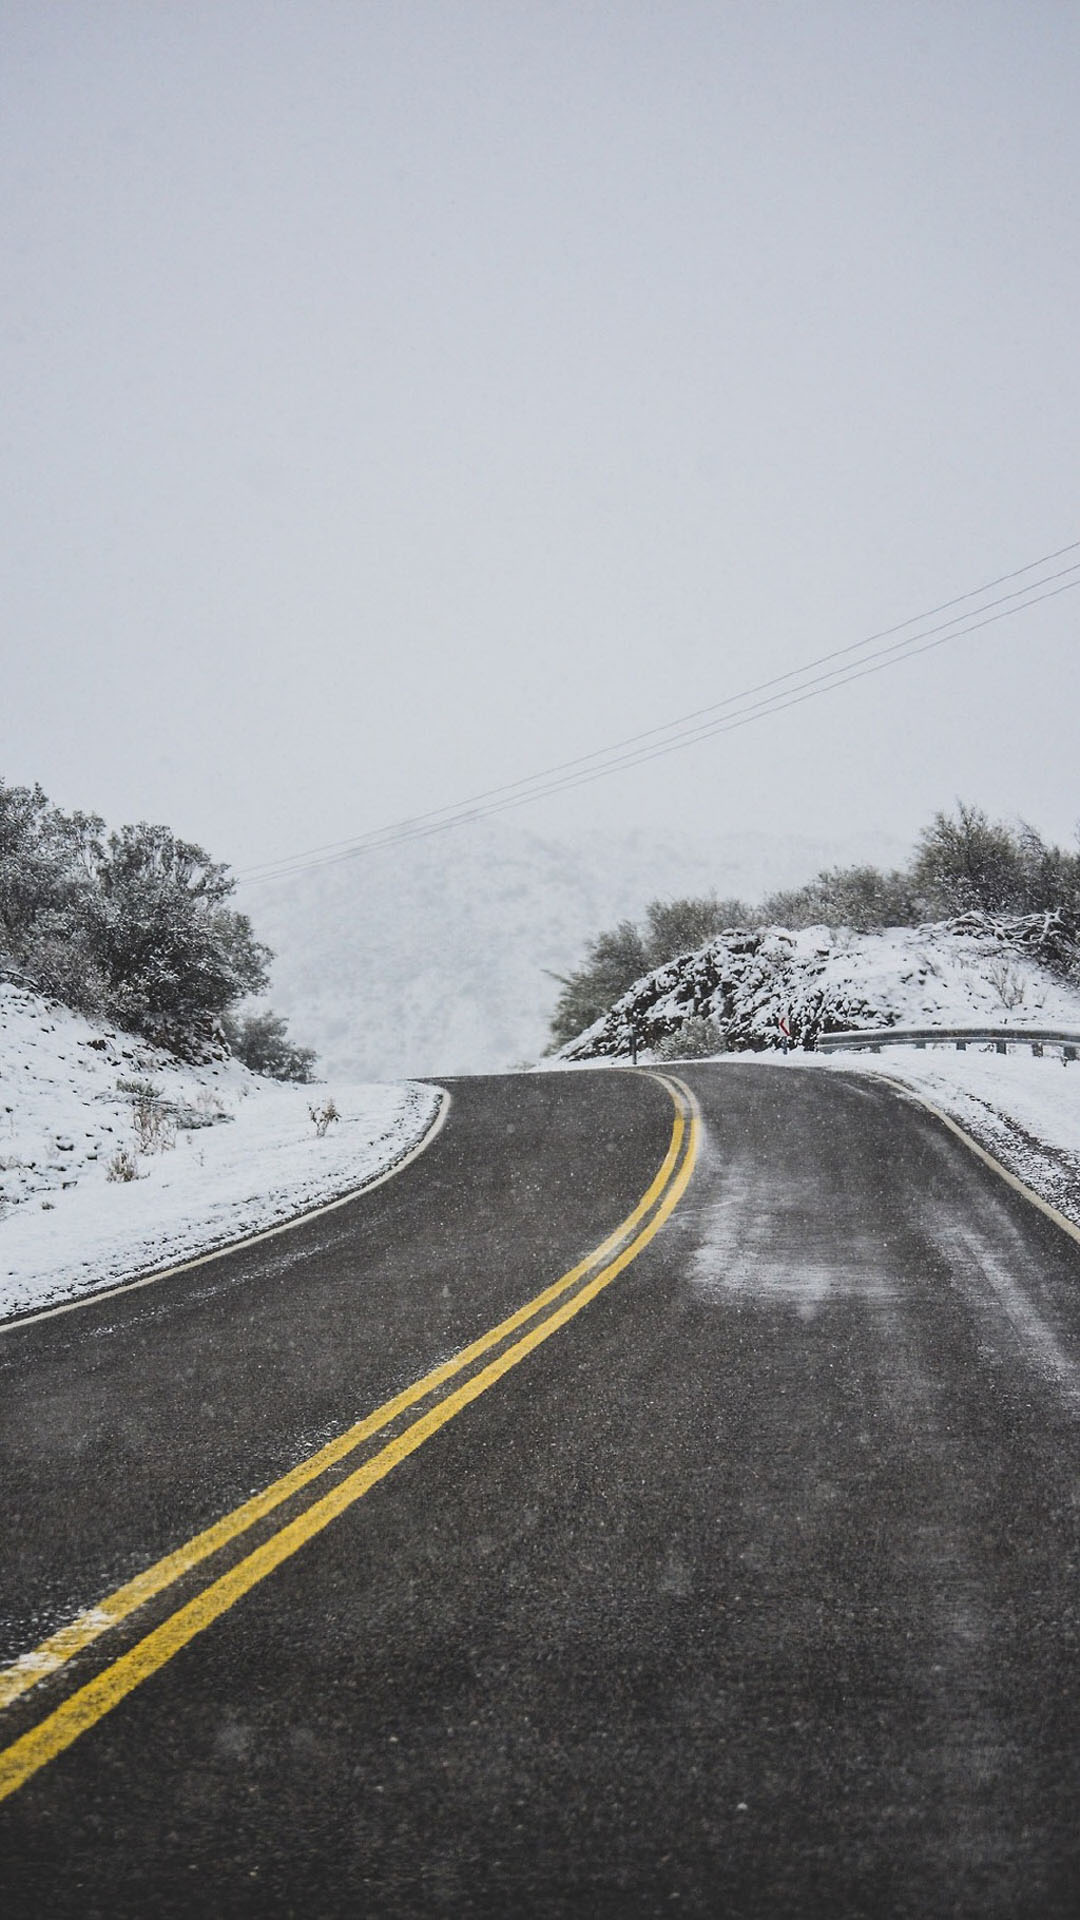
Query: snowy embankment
116,1159
972,971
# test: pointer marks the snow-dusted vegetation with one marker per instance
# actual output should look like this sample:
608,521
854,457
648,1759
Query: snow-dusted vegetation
982,926
748,984
859,950
134,924
117,1158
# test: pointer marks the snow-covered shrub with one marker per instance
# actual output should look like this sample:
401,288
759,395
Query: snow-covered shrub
123,1165
858,897
323,1117
696,1039
260,1040
1011,987
155,1130
968,862
133,924
681,926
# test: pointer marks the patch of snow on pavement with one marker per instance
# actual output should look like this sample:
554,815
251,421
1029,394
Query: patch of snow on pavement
234,1153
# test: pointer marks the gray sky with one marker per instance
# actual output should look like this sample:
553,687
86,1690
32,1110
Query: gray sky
400,398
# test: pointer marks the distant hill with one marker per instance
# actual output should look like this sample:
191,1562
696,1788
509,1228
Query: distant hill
434,957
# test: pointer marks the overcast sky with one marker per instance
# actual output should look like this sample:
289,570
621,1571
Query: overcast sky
402,397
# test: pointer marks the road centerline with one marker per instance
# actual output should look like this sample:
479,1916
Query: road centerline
60,1728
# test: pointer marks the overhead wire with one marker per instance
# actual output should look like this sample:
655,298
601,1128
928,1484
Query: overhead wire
773,695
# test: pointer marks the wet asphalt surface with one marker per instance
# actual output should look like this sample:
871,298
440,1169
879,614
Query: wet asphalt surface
752,1592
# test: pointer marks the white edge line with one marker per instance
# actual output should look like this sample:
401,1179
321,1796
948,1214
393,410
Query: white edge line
253,1240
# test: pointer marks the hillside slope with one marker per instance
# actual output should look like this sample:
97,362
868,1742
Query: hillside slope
963,972
206,1153
435,957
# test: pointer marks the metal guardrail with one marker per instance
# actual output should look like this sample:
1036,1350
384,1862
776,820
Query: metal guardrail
872,1039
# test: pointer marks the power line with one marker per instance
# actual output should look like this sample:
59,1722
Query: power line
773,696
599,753
578,773
762,710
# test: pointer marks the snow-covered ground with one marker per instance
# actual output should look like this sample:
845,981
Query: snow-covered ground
218,1153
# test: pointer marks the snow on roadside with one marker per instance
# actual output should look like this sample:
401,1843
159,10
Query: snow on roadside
234,1154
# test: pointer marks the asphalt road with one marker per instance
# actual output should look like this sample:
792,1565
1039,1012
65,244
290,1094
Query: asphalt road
749,1588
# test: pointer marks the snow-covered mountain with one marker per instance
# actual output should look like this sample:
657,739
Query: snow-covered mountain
435,957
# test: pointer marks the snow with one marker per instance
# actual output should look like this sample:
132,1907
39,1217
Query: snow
234,1153
959,973
437,956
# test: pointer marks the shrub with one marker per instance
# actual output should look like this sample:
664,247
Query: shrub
323,1117
143,1089
681,926
615,959
173,955
261,1042
132,924
123,1165
859,897
969,862
696,1039
155,1129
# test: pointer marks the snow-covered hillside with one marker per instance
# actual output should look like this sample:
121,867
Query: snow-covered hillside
116,1159
965,972
436,956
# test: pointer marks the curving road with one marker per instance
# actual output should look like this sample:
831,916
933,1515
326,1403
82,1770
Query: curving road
735,1576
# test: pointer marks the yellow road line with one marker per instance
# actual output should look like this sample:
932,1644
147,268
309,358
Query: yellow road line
431,1131
100,1695
61,1646
53,1653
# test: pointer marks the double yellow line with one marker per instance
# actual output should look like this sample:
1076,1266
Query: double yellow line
540,1317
